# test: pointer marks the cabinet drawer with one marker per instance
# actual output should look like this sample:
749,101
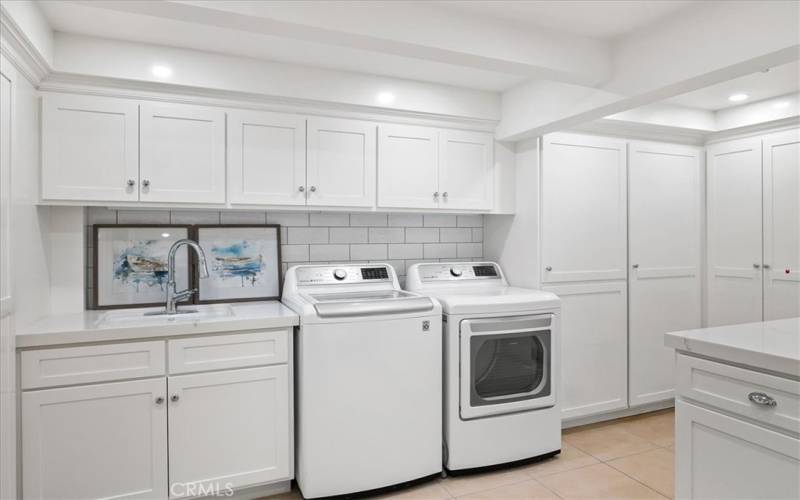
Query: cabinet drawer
89,364
228,351
730,388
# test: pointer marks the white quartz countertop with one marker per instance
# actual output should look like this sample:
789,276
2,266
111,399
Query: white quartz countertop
132,324
768,345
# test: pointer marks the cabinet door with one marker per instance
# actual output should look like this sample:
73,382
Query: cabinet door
95,441
341,162
717,456
466,170
594,348
734,232
90,148
583,208
782,225
266,158
664,246
408,166
183,154
229,428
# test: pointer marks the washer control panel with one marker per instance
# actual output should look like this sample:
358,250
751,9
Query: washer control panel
451,272
322,275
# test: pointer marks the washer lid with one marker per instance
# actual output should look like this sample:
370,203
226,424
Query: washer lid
481,300
353,304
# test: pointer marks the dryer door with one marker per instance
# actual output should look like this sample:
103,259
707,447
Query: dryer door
506,365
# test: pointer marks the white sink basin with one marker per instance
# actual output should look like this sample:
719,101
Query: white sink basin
156,315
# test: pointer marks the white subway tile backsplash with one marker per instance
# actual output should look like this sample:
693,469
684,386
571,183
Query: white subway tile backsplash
386,235
470,250
470,221
243,217
440,250
405,251
143,217
405,220
294,253
398,265
440,220
287,218
336,219
349,235
329,253
368,219
422,235
101,215
307,235
455,235
477,234
193,217
372,251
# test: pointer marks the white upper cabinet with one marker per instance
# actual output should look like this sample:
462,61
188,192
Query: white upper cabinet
466,170
782,225
90,148
664,235
266,158
182,153
408,166
734,232
341,162
584,235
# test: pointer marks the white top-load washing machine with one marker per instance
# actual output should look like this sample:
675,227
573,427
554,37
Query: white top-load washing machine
368,379
501,356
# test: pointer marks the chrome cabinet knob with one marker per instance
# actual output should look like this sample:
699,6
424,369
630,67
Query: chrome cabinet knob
444,195
635,266
301,189
762,399
131,183
313,189
160,400
766,266
146,183
756,266
175,398
436,194
548,268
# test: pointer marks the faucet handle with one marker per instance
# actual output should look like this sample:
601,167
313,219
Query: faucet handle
184,294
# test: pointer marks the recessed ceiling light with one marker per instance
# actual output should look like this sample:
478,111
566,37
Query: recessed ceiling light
386,97
781,104
738,97
161,71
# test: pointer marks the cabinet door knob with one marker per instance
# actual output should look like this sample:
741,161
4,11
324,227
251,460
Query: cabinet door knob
635,266
131,182
548,268
146,183
160,400
762,399
756,266
301,189
436,194
313,189
766,266
444,195
175,398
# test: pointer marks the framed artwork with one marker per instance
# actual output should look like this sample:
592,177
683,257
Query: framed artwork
130,264
244,263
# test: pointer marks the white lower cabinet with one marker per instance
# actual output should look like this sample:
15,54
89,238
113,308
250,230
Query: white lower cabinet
95,441
228,429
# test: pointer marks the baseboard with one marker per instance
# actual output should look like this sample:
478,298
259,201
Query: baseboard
627,412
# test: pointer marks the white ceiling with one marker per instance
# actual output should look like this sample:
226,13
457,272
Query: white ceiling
599,19
777,81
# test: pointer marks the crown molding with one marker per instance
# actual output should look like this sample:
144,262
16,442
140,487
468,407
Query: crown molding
166,92
751,130
19,50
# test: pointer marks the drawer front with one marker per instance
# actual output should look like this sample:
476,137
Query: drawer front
221,352
90,364
731,388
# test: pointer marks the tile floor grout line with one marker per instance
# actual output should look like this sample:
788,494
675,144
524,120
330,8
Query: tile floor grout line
643,484
487,489
570,470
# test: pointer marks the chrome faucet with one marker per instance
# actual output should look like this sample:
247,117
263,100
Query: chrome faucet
174,296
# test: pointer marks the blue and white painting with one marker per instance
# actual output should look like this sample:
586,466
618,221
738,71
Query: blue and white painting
242,263
132,264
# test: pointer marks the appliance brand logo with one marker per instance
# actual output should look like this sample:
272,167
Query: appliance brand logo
426,325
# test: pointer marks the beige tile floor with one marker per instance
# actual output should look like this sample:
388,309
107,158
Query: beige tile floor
630,458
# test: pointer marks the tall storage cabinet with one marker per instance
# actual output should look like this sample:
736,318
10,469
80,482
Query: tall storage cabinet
664,248
584,239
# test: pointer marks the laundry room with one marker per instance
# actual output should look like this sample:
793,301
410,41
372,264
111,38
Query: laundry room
443,249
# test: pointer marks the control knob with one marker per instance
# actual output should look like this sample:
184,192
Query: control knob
456,272
340,274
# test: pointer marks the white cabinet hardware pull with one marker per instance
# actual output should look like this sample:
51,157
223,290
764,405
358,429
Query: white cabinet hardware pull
146,183
762,399
313,189
301,188
548,268
131,183
175,398
160,400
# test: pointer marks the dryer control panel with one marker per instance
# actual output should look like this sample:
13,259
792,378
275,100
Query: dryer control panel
332,275
458,271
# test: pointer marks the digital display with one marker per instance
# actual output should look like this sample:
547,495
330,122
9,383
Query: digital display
374,273
484,271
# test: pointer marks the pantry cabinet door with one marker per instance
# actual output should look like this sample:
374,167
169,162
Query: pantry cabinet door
665,209
229,428
594,348
466,170
95,441
341,162
782,225
408,166
90,148
584,208
734,232
266,158
182,154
